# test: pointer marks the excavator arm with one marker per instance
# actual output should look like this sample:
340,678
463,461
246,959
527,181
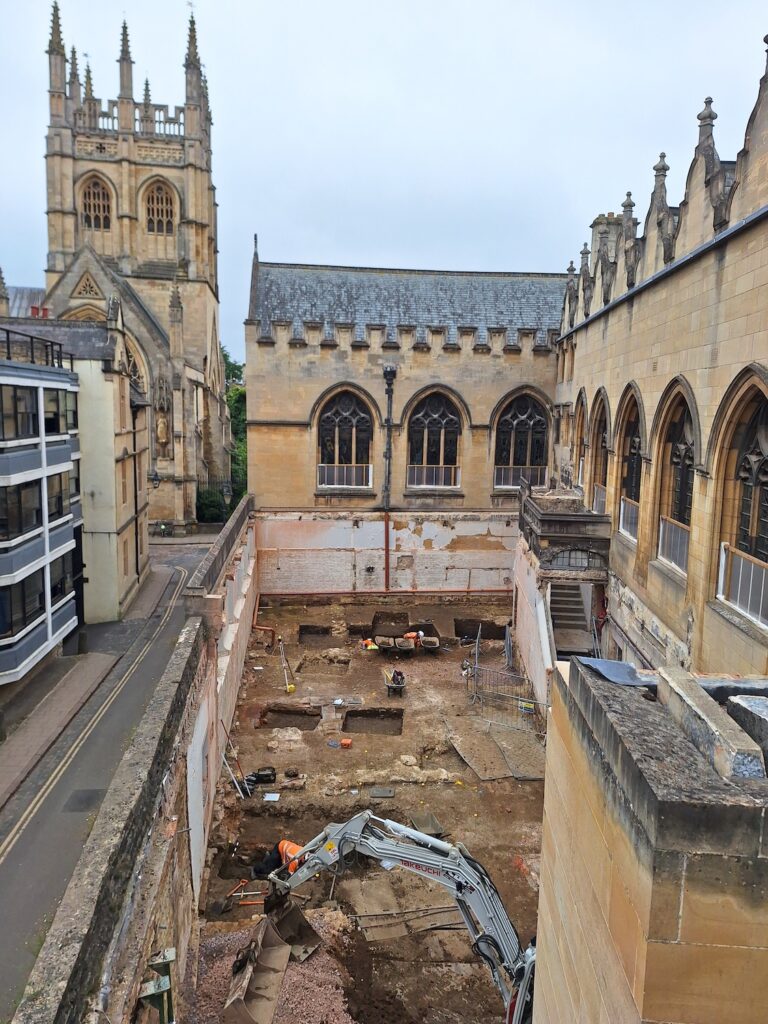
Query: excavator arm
493,935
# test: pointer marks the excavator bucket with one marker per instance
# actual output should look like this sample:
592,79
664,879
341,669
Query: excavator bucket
255,988
294,929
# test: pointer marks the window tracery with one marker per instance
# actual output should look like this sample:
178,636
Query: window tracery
752,474
345,431
97,206
159,210
434,428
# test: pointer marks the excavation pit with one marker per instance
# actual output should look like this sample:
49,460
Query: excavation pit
312,634
377,721
489,630
305,719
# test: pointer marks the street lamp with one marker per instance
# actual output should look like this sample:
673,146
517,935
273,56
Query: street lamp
226,493
155,478
390,372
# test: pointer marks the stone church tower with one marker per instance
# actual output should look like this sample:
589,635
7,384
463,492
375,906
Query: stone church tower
131,212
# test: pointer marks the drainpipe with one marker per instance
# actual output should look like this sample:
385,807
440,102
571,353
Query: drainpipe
390,372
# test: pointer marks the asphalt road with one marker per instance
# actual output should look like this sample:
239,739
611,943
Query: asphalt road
45,824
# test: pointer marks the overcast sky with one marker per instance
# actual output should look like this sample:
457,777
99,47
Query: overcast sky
453,134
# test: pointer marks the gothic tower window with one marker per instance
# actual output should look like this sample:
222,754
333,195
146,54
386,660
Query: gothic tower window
159,210
344,442
521,444
599,440
434,429
97,206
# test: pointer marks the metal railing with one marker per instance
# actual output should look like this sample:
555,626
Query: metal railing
598,500
26,348
504,698
674,538
743,582
433,476
344,476
629,514
513,476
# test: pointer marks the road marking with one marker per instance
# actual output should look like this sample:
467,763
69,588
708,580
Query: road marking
14,835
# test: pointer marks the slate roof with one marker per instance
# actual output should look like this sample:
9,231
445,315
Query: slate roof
80,339
415,298
21,300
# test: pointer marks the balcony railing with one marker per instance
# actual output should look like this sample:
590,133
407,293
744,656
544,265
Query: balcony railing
629,513
344,476
743,582
598,500
433,476
673,542
26,348
513,476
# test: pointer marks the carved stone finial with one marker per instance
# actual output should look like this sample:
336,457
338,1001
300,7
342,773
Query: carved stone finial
193,57
628,206
256,246
585,254
125,46
662,166
570,269
3,289
88,82
74,74
56,43
147,94
707,117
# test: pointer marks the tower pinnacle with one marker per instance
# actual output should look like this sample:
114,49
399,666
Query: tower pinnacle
56,43
88,83
74,74
125,46
193,57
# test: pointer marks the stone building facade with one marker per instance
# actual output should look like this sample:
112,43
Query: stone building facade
131,211
422,394
662,402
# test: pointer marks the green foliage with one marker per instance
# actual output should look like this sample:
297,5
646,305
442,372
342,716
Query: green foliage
236,403
233,371
211,507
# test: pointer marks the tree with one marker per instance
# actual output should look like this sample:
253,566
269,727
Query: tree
233,371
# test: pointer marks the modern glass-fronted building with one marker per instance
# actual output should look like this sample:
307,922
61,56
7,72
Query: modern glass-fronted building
40,518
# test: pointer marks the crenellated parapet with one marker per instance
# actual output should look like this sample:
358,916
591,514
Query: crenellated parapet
718,194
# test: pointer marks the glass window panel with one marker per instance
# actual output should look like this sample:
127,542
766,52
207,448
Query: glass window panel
54,412
26,412
9,416
31,506
6,621
71,399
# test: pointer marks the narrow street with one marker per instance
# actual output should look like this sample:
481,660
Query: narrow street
44,825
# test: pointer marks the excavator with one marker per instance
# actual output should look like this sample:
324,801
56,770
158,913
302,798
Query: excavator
285,932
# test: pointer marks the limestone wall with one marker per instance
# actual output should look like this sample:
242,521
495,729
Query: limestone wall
654,870
136,887
344,552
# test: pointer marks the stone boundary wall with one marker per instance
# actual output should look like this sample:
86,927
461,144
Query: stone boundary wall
134,890
69,967
533,629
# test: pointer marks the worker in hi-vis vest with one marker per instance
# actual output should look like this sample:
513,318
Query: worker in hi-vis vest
282,853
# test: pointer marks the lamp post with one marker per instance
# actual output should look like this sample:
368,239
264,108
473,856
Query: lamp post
155,478
226,493
390,372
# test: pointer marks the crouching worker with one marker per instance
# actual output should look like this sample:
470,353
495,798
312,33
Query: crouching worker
282,853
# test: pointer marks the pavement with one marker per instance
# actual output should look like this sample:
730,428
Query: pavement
46,821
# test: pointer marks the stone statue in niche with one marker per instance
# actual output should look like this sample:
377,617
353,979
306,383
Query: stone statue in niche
162,410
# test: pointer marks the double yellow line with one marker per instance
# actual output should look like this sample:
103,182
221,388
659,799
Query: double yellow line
15,834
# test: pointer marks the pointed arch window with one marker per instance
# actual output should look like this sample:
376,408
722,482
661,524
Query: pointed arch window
743,575
600,462
97,206
159,210
752,475
677,489
521,444
631,472
434,429
344,442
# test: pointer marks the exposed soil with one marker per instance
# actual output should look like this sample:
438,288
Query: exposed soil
399,967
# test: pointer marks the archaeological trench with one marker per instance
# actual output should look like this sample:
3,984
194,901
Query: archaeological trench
394,947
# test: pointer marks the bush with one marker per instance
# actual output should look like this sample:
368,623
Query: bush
211,507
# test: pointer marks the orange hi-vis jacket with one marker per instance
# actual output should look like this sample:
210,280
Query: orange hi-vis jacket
288,850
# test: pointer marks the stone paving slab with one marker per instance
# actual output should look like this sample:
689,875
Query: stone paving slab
523,751
23,749
473,743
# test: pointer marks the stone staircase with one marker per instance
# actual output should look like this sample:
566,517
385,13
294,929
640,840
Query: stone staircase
569,623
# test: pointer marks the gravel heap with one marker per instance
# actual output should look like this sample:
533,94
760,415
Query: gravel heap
311,992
